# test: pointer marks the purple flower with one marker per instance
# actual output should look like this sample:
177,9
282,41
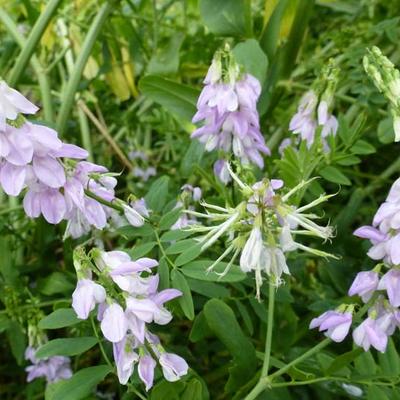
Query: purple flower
303,122
126,273
230,117
146,370
85,297
12,103
136,212
114,324
364,285
391,283
173,366
370,333
336,324
52,369
144,174
307,118
125,358
195,192
221,171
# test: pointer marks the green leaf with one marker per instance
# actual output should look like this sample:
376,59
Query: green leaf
270,36
192,158
193,391
188,255
181,246
349,160
245,316
57,282
376,393
250,55
168,219
365,364
4,322
165,60
158,194
80,384
208,289
200,329
131,232
362,147
163,272
141,250
66,347
385,131
185,301
227,17
332,174
222,321
17,339
198,270
59,319
175,97
173,235
167,390
344,360
389,361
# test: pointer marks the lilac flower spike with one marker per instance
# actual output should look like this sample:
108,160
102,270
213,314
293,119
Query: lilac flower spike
125,310
227,108
383,314
52,369
311,114
336,324
364,285
385,232
303,122
59,184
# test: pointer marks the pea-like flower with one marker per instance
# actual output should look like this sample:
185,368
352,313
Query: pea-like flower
336,324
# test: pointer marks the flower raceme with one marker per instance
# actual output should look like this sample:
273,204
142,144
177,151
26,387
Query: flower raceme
189,194
227,108
380,287
311,114
261,228
387,79
314,109
128,300
52,369
56,181
384,233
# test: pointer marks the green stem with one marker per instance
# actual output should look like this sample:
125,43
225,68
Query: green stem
135,391
265,381
102,201
270,326
163,250
72,86
10,210
44,83
36,305
103,352
32,40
